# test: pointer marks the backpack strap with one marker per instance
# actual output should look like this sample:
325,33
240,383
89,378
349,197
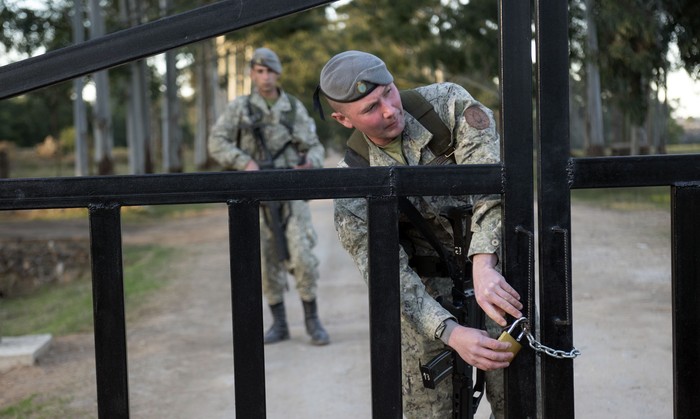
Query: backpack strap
357,152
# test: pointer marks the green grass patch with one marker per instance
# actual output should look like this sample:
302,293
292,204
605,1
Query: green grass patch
131,213
627,199
683,148
62,309
39,407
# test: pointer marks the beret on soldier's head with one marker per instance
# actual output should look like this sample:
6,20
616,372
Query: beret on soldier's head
266,57
352,75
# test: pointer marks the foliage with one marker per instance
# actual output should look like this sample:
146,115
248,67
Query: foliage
685,26
422,41
27,30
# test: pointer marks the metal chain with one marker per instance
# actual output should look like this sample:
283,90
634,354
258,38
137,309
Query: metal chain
539,347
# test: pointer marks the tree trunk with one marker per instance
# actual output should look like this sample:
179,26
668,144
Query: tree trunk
204,103
594,126
79,110
664,115
171,133
102,118
138,132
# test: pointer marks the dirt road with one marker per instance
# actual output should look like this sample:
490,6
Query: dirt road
180,360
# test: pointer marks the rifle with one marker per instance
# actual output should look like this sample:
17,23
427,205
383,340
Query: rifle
466,393
272,209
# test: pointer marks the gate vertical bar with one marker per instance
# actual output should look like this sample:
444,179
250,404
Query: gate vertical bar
384,306
554,205
246,308
515,26
685,282
108,310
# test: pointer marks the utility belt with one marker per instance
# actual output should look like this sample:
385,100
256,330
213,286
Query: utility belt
429,266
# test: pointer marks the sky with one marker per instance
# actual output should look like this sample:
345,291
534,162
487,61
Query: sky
683,89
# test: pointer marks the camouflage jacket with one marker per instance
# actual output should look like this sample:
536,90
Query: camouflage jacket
232,143
475,144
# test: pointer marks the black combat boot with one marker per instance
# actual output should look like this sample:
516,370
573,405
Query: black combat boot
279,330
313,324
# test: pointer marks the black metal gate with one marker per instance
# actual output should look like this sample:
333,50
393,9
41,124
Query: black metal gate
514,179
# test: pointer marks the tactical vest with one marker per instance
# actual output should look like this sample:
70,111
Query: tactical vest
357,151
286,118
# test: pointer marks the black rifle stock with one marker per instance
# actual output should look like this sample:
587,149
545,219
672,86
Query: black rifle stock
466,393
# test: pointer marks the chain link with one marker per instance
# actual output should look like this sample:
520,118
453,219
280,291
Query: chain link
539,347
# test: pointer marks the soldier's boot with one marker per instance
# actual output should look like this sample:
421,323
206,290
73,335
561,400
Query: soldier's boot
318,334
279,330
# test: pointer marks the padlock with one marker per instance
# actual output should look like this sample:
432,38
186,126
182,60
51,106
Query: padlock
506,336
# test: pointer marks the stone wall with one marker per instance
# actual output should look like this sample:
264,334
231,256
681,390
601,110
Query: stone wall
26,265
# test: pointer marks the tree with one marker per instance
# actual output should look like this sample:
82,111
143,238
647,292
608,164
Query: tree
594,120
171,133
102,116
28,119
685,28
79,109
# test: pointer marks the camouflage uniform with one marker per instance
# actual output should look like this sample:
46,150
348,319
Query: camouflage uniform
422,316
232,144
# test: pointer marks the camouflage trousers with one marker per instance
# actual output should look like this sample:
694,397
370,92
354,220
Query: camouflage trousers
420,402
302,263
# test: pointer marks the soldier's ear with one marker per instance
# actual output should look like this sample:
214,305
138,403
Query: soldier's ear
342,119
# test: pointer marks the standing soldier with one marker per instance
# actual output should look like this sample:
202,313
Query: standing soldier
271,129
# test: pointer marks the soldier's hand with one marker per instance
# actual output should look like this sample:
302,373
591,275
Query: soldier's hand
305,165
479,350
252,165
493,294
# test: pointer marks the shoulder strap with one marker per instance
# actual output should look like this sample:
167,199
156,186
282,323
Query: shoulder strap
424,112
357,153
287,118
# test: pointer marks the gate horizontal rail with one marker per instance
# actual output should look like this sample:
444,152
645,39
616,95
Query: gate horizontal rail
631,171
142,41
261,185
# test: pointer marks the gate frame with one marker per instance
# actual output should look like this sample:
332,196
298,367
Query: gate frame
513,179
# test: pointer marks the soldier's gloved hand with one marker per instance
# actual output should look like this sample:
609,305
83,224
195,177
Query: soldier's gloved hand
493,294
479,350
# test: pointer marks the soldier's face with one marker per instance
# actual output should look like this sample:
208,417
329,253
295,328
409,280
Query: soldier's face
264,79
379,115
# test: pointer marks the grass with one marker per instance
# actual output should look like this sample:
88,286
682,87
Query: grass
626,199
27,163
62,309
38,407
